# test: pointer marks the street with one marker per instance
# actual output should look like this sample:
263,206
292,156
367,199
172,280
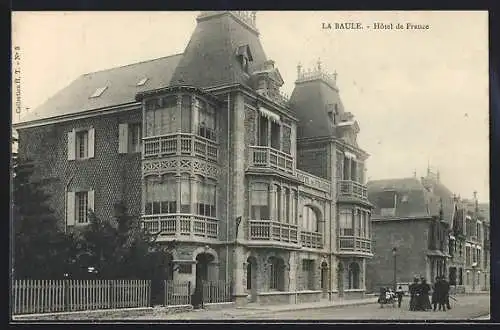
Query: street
465,308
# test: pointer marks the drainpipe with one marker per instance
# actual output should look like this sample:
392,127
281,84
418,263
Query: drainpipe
228,180
66,203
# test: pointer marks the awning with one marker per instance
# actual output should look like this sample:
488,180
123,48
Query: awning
270,115
350,155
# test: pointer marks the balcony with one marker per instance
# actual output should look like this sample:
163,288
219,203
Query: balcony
184,144
181,225
354,244
313,181
311,239
267,230
352,189
267,157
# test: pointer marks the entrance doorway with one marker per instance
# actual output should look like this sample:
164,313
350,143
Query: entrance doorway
252,278
340,279
162,271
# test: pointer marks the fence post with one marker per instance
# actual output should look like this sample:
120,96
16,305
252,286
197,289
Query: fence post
66,295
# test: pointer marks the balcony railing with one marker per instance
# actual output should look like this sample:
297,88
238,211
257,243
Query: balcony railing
180,144
267,230
354,244
313,181
179,225
311,239
348,188
267,157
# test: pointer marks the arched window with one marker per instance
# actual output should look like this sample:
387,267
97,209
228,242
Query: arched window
260,201
354,275
309,219
276,274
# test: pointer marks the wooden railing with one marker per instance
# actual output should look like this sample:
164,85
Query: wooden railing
267,230
348,188
45,296
180,144
267,157
353,243
181,225
311,239
313,181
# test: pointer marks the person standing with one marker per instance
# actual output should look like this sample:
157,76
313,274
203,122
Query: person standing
436,293
399,294
425,288
446,293
413,288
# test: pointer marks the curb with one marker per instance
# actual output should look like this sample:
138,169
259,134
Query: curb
301,308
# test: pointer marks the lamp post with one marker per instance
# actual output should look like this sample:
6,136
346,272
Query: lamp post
394,250
474,265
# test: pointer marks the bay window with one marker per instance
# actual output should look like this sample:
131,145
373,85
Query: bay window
309,219
260,201
161,195
186,114
206,119
286,205
185,194
277,202
358,222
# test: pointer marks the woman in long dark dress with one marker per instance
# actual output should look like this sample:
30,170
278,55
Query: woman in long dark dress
413,294
424,295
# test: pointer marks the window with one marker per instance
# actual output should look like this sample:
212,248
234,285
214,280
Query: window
142,82
276,273
186,114
185,268
161,116
358,223
206,119
134,137
260,201
263,131
98,92
249,275
277,203
365,226
185,194
308,274
346,223
286,205
309,219
161,195
82,206
275,136
82,144
206,199
287,138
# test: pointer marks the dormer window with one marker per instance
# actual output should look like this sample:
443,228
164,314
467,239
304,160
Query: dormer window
244,56
98,92
142,82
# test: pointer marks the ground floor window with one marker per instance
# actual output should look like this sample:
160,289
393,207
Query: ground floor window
276,274
308,274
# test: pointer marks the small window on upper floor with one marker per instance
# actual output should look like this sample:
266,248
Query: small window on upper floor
142,82
98,92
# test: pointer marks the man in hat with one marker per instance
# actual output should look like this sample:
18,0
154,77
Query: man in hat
424,289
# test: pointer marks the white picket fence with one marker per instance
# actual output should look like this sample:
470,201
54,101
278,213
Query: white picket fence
44,296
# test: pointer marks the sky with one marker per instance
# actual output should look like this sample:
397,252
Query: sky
420,96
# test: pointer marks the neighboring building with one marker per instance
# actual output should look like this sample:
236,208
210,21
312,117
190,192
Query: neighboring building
411,217
204,147
477,245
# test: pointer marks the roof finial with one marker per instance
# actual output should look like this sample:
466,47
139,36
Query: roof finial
299,70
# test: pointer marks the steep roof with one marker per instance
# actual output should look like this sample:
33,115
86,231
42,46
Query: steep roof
211,56
309,100
120,83
412,199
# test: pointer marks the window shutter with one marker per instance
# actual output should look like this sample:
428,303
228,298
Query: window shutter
71,145
91,142
123,138
90,196
70,208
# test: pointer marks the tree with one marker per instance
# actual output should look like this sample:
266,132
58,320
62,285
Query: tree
118,249
39,243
